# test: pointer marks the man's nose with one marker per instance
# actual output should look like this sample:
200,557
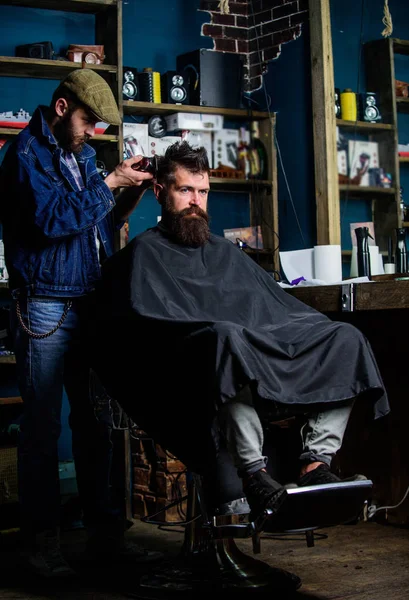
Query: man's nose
90,130
195,198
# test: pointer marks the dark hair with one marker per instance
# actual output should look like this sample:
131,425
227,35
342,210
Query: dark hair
73,102
181,154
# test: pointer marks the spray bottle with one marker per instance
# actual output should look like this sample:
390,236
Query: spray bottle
362,249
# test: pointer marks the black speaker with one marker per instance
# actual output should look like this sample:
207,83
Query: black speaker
337,103
174,88
130,86
215,78
368,108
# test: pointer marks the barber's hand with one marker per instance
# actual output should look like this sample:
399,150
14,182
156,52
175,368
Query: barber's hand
126,174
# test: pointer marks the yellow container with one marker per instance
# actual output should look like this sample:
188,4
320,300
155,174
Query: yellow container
149,86
157,95
349,110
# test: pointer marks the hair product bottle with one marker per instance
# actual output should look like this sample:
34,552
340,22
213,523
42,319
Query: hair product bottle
362,251
401,253
349,110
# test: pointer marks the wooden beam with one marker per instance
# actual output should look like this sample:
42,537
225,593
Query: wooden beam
324,124
11,400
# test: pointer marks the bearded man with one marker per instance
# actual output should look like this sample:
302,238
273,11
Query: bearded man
59,217
221,348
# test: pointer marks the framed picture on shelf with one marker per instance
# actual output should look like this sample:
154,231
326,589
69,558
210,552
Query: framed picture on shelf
362,156
250,236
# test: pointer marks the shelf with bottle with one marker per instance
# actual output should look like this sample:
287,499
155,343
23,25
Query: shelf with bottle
263,123
364,125
132,107
107,32
366,159
262,189
11,66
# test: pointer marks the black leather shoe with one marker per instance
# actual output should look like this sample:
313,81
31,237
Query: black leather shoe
322,475
262,493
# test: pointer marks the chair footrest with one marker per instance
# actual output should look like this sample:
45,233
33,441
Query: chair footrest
318,506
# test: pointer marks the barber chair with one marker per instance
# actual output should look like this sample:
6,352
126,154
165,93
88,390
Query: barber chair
210,561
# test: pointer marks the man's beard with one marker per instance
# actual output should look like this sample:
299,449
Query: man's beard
187,230
65,135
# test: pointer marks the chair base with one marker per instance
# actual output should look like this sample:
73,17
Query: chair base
220,567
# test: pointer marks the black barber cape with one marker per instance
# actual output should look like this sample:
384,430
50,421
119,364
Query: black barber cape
209,319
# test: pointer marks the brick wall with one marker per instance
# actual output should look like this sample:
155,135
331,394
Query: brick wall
257,29
158,479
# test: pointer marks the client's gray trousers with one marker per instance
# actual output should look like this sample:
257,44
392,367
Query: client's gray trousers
321,435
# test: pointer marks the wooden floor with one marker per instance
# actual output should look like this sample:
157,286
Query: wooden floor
367,560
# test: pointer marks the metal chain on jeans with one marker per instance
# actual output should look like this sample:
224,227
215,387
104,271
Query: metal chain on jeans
40,336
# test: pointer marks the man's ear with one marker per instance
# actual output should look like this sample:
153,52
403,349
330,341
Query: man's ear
61,106
158,190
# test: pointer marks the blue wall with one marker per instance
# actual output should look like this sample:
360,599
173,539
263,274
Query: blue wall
287,92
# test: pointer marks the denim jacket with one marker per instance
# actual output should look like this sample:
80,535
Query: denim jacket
49,227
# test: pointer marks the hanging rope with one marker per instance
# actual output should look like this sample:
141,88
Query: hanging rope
387,20
224,7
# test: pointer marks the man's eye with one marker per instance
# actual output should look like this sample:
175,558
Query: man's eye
204,192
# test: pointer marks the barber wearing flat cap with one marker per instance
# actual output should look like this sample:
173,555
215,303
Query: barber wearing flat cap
59,217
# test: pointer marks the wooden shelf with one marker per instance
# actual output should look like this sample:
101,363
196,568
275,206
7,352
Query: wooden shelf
131,107
365,190
101,137
402,104
349,253
11,400
400,46
246,185
11,66
364,125
81,6
403,159
8,359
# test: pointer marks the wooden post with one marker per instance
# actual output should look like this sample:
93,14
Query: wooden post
324,124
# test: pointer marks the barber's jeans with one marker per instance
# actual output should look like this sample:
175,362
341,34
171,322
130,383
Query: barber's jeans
322,434
44,367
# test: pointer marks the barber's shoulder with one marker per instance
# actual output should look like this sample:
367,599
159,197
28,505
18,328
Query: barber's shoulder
26,146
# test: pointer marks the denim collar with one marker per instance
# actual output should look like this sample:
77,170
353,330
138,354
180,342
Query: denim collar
39,128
